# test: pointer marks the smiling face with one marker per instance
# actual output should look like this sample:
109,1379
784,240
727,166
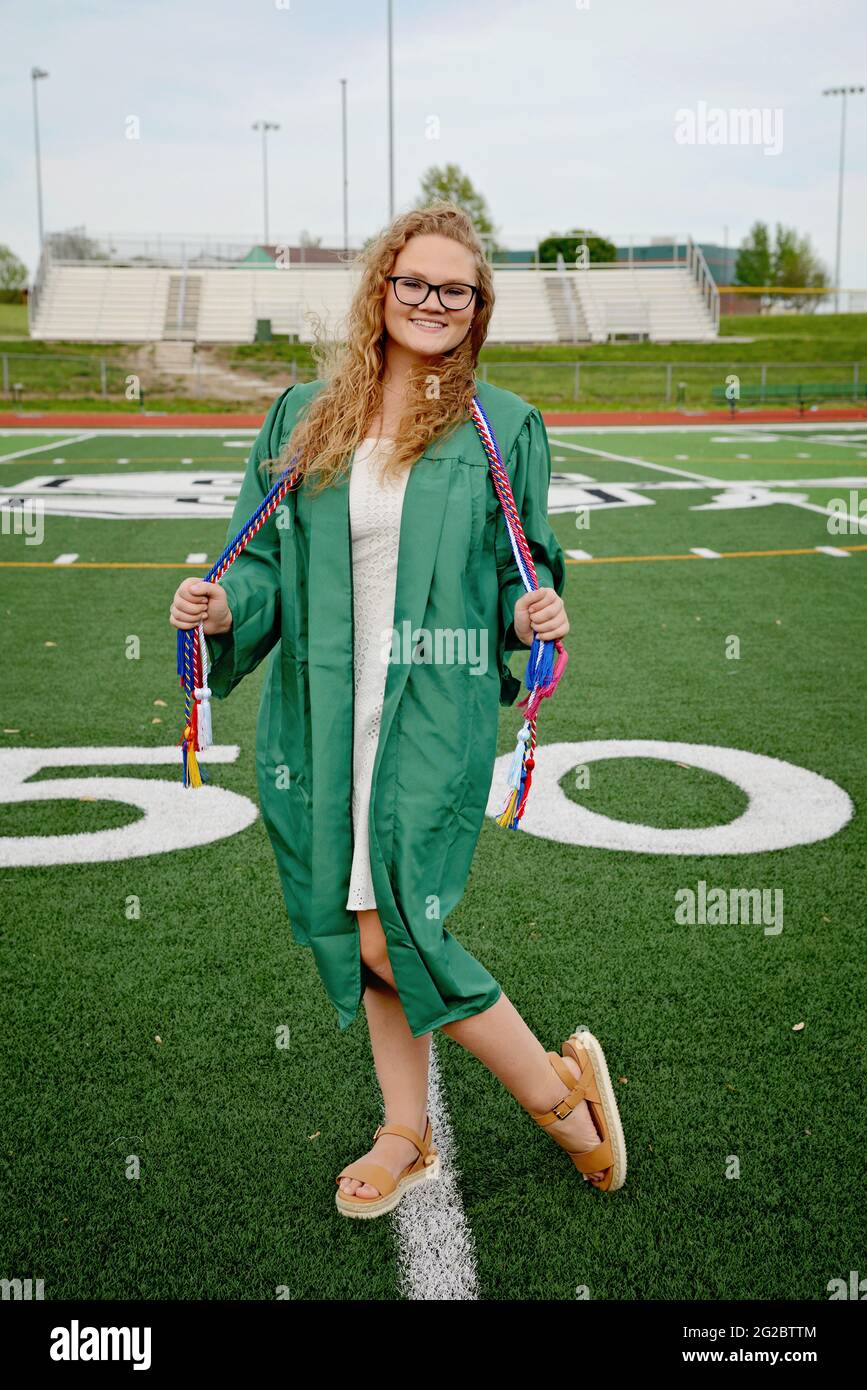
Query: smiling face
423,330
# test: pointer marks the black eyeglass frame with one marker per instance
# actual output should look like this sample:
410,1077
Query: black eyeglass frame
449,308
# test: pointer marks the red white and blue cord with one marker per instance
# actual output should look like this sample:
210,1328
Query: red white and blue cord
541,677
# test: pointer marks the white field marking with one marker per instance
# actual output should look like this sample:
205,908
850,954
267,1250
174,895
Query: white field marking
435,1243
832,550
682,458
40,448
234,443
744,439
746,456
856,443
726,486
705,554
208,432
859,522
579,554
196,558
174,817
123,460
198,433
736,496
786,804
186,460
66,559
781,427
655,485
644,463
58,460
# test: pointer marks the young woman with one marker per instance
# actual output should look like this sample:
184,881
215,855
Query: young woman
376,738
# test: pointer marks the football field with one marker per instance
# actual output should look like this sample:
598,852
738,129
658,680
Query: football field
689,883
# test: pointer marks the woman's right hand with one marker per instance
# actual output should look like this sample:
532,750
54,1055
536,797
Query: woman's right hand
196,601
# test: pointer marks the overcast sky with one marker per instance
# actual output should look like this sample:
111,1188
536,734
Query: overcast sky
562,114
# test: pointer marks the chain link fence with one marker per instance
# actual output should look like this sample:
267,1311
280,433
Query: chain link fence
572,385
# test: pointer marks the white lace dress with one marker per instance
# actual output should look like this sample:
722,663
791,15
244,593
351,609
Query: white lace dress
375,507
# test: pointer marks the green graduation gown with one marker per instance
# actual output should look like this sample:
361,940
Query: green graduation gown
290,594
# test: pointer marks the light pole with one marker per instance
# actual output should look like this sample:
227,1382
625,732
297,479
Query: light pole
390,121
840,92
35,75
345,176
265,126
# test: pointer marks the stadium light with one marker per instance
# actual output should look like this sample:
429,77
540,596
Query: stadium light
390,121
345,175
265,126
35,75
840,92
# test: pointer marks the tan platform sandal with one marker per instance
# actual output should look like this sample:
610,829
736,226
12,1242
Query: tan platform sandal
423,1169
594,1086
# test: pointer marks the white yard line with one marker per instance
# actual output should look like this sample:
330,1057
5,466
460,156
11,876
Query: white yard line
203,431
639,485
644,463
705,480
717,427
41,448
435,1243
859,522
159,432
838,443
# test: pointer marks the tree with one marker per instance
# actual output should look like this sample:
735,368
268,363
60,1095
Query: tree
451,184
13,276
599,248
797,266
75,245
790,263
754,262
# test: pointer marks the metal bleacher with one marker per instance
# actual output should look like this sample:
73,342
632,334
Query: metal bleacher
222,303
660,305
102,303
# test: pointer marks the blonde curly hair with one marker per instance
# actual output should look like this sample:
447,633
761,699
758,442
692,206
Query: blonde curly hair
335,422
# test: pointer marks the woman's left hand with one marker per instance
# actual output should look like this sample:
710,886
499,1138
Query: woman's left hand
541,612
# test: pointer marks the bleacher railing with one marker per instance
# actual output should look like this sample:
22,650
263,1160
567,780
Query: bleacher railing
197,251
698,269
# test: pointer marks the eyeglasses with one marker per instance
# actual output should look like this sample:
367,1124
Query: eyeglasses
410,290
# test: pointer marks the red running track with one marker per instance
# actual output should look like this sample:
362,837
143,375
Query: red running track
82,420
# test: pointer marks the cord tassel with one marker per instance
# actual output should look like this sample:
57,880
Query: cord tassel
541,678
203,693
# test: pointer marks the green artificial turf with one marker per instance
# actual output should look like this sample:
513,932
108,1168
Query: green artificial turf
157,1142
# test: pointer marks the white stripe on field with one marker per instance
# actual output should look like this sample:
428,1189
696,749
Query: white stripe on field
857,522
644,463
435,1243
40,448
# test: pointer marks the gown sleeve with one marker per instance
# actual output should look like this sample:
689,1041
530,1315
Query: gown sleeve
252,582
529,470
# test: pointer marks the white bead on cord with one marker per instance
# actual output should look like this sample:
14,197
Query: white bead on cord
203,693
